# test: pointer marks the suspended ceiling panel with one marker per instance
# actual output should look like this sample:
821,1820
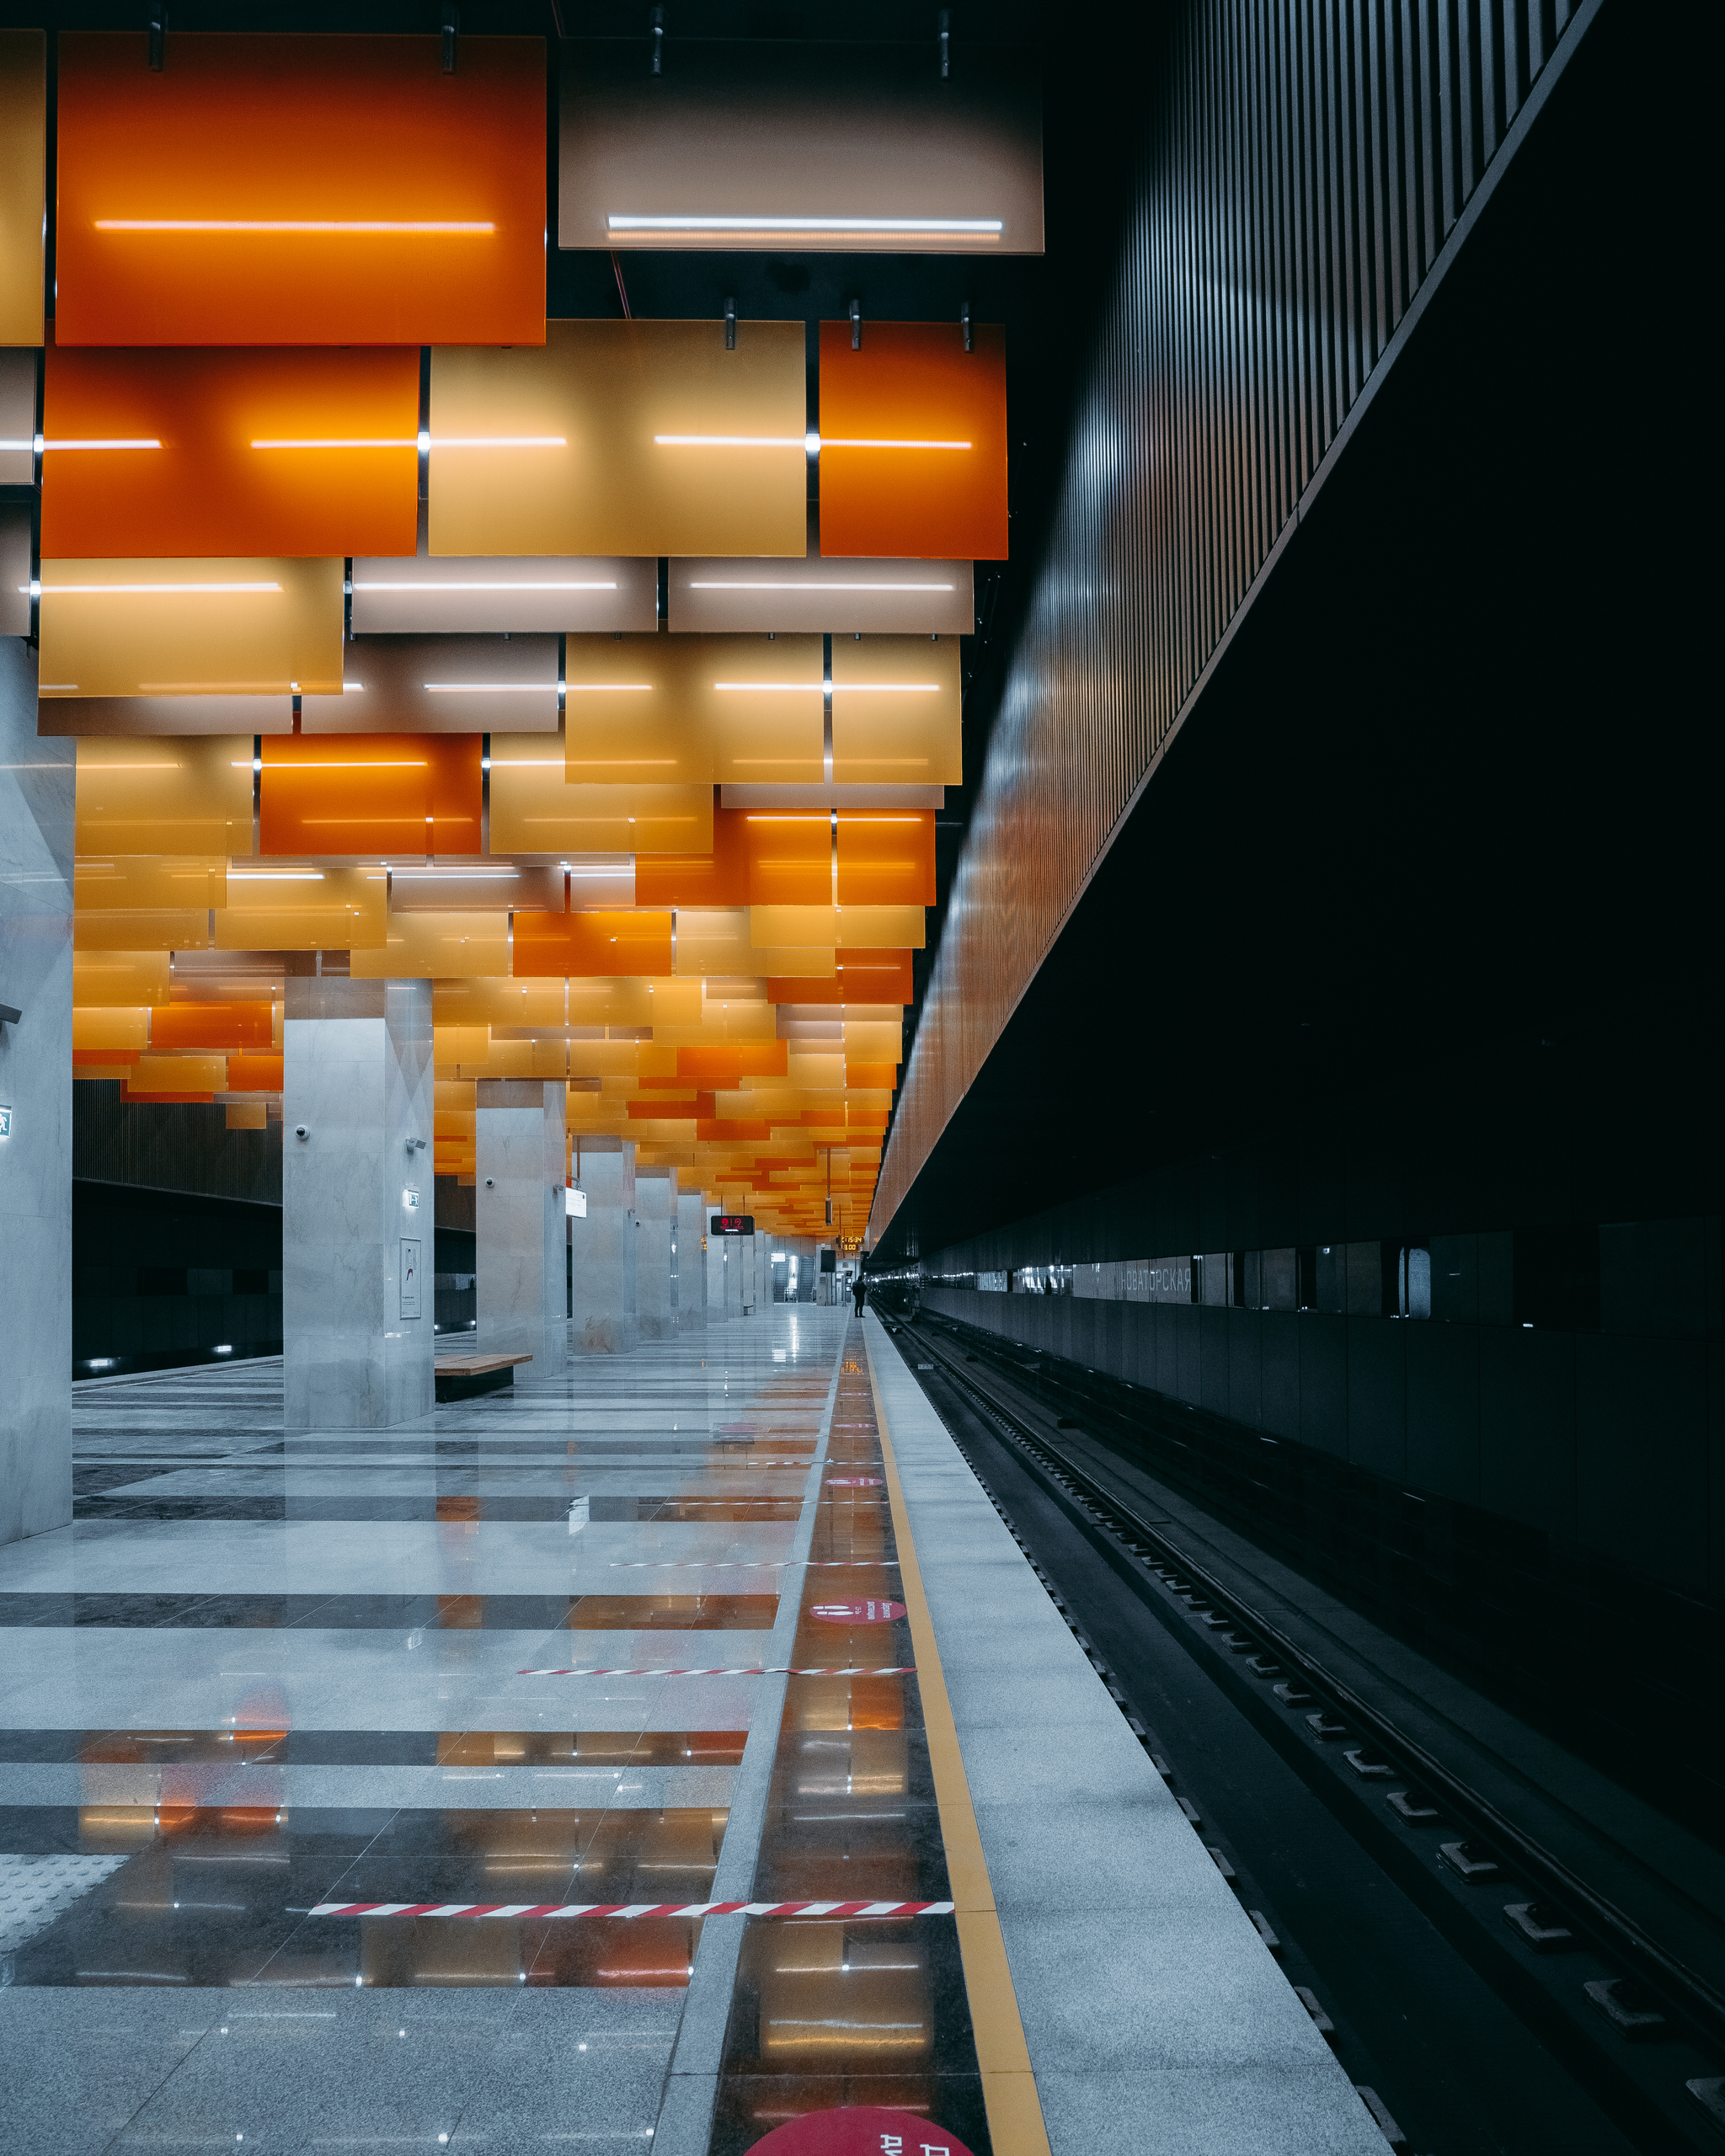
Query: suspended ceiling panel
792,148
144,717
913,440
18,418
23,183
170,628
535,811
492,886
897,711
641,438
230,452
663,710
176,796
486,593
300,190
441,684
798,800
370,793
837,596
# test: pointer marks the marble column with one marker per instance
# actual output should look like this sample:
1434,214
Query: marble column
718,1271
358,1242
692,1262
519,1214
36,780
655,1228
602,1250
734,1252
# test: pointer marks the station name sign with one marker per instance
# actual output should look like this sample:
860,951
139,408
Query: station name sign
732,1224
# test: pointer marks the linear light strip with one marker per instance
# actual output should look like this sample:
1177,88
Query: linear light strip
425,227
43,444
496,586
987,228
489,688
366,441
138,590
806,584
812,443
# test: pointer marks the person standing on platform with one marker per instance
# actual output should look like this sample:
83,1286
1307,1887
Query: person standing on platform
859,1289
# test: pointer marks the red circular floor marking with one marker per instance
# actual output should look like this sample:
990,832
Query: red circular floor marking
859,1612
860,2130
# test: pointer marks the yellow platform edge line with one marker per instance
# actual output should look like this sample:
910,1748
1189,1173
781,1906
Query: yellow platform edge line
1015,2121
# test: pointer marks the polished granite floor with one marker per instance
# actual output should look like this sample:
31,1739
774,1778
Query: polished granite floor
626,1641
260,1673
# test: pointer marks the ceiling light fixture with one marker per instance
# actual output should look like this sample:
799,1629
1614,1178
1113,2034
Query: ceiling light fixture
494,585
434,228
489,688
42,443
804,584
135,591
768,688
498,441
971,228
590,688
812,443
344,441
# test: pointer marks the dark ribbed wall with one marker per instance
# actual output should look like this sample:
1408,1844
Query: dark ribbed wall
1307,166
179,1145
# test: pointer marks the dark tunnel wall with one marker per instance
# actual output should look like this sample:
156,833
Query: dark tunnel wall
1412,939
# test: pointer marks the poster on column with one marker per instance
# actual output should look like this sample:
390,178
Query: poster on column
410,1277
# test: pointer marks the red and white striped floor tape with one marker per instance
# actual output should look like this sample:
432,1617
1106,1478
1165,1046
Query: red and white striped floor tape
778,1669
744,1564
559,1910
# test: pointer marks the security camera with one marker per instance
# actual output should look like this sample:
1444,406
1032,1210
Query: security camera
490,1183
301,1132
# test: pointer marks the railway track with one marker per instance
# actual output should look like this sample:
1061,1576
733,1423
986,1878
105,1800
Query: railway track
1637,2025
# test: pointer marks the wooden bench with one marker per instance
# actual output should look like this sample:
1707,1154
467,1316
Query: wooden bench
460,1377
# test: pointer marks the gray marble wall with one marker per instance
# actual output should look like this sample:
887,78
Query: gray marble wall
358,1078
655,1229
36,780
602,1319
691,1261
519,1221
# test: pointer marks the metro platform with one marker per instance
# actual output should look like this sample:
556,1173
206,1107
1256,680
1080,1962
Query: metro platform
369,1791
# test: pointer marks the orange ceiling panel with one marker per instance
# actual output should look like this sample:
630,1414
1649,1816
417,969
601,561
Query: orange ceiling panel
370,793
213,1026
790,859
718,878
728,1066
254,452
913,441
23,183
886,859
860,977
300,190
605,945
255,1074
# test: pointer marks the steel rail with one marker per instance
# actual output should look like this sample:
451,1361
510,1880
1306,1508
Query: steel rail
1695,1999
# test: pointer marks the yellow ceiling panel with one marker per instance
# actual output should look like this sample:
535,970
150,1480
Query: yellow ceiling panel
436,945
185,795
180,628
637,438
